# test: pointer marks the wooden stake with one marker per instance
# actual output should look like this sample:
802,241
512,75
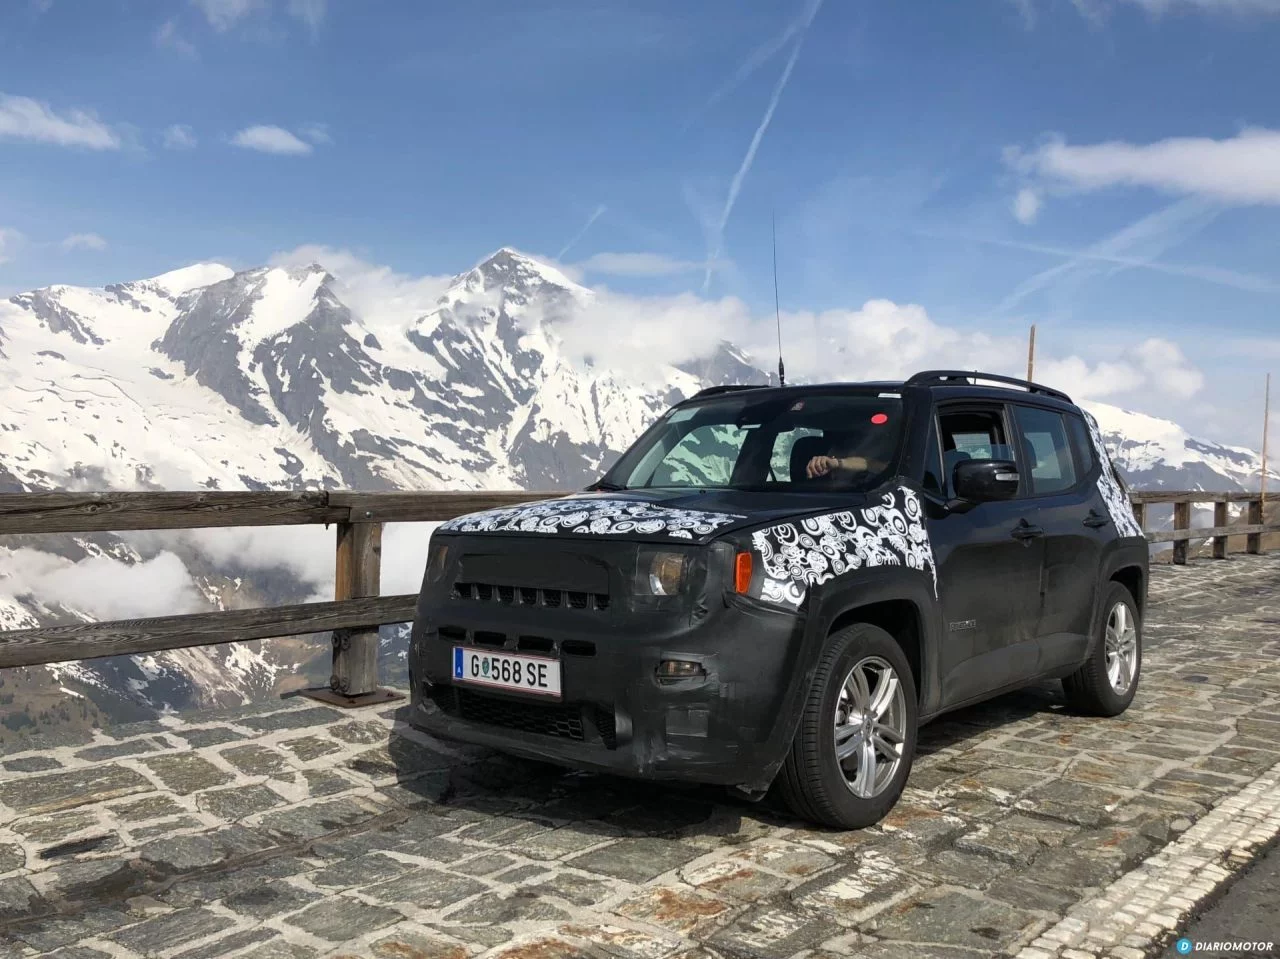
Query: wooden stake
1266,415
1031,354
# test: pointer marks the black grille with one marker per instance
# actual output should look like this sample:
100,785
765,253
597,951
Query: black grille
530,596
561,720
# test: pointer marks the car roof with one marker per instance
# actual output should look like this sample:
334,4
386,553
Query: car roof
943,384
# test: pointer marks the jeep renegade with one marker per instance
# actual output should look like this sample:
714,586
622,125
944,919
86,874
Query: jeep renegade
713,611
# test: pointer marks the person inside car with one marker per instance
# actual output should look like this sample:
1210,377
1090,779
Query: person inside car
849,453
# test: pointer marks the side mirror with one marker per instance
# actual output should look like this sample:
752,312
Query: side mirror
981,481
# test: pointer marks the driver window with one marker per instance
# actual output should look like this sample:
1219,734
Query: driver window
971,435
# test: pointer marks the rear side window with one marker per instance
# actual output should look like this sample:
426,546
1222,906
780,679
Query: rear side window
1048,451
1081,443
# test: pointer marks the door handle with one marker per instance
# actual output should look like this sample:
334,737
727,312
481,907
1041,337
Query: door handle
1096,519
1025,531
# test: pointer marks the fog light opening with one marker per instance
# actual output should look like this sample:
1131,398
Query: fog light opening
674,670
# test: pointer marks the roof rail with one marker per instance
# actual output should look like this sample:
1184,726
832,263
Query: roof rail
727,388
944,377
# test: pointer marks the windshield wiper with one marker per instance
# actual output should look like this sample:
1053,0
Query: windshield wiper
603,487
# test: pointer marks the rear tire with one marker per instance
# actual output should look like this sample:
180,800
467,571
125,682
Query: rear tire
1105,685
862,704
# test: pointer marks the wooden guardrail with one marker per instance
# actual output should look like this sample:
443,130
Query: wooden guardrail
1183,532
357,610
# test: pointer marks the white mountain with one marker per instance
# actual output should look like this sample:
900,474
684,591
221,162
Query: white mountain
204,378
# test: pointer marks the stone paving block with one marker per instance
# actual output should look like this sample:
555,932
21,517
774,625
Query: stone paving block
636,860
855,889
485,865
162,933
325,782
1072,802
943,916
185,773
545,947
56,827
255,760
734,878
428,888
307,748
1027,893
135,747
773,932
90,881
305,718
154,806
50,792
410,943
318,819
185,853
227,944
679,909
270,899
56,932
19,899
361,871
1016,839
518,907
212,736
238,802
358,732
624,943
953,868
30,764
72,952
222,885
578,890
165,827
280,949
11,857
339,918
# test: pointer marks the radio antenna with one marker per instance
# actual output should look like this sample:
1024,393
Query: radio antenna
777,309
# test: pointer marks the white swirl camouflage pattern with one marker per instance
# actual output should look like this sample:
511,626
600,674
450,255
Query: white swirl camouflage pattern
596,517
1118,504
804,553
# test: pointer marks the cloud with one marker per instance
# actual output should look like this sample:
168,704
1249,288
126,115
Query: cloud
224,14
84,241
1243,169
179,136
638,264
383,298
271,139
10,240
595,215
101,587
735,186
1026,205
167,37
22,118
757,59
316,132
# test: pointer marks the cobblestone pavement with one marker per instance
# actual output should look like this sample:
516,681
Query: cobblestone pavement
293,830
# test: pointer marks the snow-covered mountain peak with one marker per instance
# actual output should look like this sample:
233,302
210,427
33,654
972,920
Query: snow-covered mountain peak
177,282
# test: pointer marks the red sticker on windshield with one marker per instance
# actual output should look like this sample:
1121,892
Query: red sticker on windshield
880,419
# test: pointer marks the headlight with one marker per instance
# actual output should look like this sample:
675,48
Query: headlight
437,559
662,572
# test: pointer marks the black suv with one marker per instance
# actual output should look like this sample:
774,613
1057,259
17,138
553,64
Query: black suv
776,586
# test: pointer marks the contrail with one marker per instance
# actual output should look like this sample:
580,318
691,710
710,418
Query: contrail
596,214
758,58
736,186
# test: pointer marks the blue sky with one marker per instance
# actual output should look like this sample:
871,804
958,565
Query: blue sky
1107,169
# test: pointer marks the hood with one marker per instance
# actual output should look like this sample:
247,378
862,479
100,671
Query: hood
689,516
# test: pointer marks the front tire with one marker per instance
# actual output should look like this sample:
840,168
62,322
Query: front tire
853,749
1105,685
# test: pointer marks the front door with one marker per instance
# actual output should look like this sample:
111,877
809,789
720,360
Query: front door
989,566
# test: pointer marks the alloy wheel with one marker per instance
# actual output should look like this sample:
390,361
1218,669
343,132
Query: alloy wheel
870,727
1122,648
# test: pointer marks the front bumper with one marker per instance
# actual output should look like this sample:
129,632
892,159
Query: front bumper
731,727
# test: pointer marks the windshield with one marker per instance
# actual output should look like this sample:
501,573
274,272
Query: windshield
810,442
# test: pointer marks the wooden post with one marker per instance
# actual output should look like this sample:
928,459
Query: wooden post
1181,520
357,574
1266,415
1253,544
1140,514
1220,519
1031,353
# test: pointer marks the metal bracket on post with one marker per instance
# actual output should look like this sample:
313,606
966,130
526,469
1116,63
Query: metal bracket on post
357,572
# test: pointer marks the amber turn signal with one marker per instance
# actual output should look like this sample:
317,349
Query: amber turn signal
742,572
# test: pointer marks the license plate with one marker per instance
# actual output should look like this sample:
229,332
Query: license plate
527,674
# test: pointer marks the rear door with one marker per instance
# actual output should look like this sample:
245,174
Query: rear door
1056,477
989,563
